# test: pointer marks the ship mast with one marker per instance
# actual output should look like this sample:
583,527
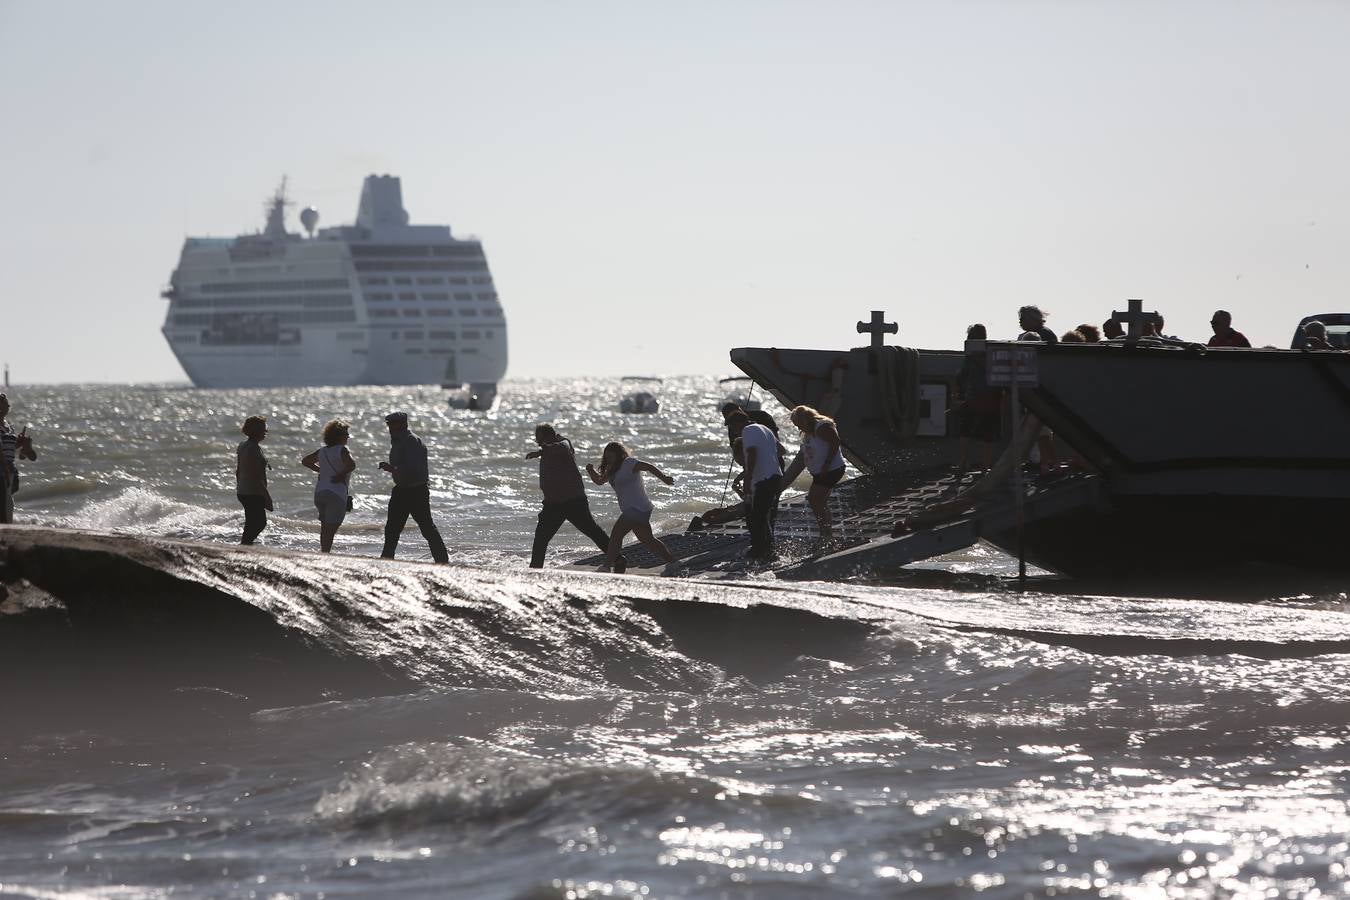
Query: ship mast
275,207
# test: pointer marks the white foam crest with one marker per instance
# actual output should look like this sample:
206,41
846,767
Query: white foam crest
141,511
433,781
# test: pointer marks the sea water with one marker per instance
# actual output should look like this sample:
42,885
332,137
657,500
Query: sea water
563,734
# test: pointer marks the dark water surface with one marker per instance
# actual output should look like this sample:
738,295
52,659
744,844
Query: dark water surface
559,734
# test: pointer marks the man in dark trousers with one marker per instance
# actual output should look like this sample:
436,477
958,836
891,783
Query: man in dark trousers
564,496
411,496
762,460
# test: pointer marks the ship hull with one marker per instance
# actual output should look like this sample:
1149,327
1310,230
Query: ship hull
1157,536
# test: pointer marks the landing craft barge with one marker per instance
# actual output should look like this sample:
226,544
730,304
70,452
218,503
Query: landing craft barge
380,301
1189,459
1203,457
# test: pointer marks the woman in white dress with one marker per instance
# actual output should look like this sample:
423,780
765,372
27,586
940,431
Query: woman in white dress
623,471
335,465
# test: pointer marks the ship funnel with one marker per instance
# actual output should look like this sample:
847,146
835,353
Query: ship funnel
309,217
381,202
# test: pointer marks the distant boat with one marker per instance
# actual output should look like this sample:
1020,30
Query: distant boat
639,394
377,302
736,389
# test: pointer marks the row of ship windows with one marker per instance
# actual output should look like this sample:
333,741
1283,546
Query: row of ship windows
385,313
468,248
440,296
443,335
470,333
440,351
380,265
292,338
477,279
239,287
311,317
267,333
310,301
437,313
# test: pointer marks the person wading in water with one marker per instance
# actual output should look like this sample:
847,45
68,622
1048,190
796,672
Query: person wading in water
564,496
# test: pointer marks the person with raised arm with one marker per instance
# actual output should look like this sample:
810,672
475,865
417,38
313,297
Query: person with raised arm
623,471
564,496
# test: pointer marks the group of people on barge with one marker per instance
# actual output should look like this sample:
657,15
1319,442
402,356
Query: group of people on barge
979,407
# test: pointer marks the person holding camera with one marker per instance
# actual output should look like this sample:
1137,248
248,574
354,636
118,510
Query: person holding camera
13,447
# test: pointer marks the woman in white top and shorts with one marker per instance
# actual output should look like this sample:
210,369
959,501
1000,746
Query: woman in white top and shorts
821,456
623,471
335,465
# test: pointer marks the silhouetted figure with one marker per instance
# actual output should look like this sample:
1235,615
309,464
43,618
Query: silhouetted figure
1045,442
622,471
1031,318
564,496
335,465
1315,336
821,456
1224,333
411,495
250,477
1072,337
762,462
757,416
979,411
1112,330
1158,329
14,446
1090,333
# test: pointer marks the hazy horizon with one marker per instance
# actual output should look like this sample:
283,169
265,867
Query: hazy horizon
655,185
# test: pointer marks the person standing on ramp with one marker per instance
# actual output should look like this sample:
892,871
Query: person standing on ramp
411,495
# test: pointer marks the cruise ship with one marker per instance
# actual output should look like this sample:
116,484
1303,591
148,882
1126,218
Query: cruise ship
376,302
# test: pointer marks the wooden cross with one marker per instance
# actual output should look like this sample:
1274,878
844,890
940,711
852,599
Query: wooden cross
878,327
1135,319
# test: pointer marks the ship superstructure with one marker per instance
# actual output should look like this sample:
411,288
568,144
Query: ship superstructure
376,302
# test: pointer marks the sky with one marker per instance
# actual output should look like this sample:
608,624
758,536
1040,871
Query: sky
655,183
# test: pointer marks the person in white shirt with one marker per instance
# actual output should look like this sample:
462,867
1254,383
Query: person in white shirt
623,471
820,455
764,476
335,465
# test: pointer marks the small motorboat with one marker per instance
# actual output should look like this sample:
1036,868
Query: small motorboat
736,389
639,394
472,397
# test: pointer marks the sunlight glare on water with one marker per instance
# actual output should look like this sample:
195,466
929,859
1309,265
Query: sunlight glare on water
575,734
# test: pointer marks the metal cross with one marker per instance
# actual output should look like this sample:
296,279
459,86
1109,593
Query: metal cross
878,327
1136,318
